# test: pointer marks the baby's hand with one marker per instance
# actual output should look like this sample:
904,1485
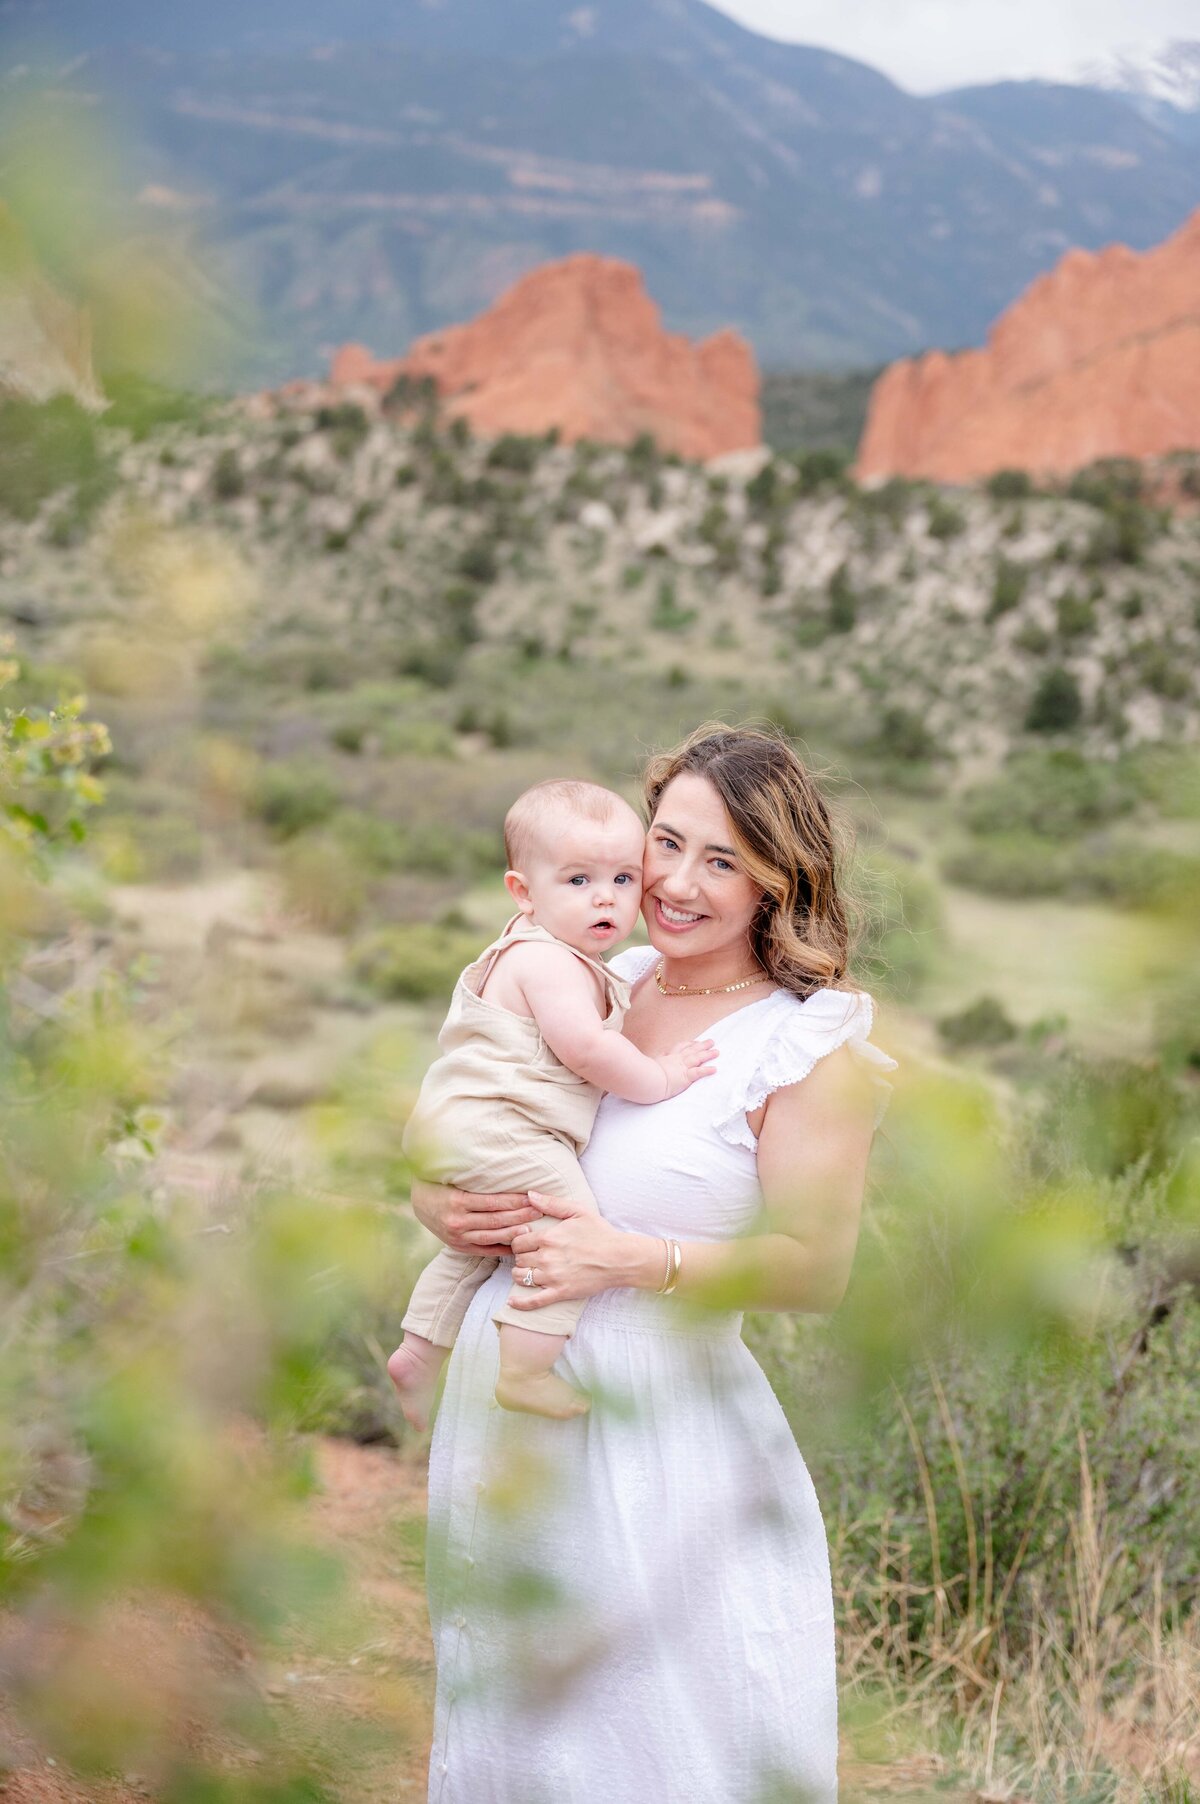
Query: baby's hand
684,1064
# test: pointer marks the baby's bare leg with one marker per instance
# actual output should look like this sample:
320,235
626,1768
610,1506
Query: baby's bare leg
414,1368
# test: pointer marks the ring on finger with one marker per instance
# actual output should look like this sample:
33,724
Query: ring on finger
527,1276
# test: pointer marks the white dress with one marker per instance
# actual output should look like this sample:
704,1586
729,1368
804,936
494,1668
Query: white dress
634,1607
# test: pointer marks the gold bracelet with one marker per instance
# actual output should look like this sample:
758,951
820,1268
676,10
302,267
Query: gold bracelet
662,1289
675,1252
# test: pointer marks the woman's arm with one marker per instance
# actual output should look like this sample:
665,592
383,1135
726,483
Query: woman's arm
814,1143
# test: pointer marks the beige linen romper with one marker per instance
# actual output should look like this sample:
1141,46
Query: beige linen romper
497,1111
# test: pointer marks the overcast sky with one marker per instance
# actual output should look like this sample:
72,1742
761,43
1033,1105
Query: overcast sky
930,44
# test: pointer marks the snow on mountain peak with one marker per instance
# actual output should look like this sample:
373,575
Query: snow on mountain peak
1152,74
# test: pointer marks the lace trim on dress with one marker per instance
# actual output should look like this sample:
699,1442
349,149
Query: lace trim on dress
800,1035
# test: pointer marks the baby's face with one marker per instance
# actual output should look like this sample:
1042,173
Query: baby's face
585,880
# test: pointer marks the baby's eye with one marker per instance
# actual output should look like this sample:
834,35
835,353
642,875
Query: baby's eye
576,881
624,877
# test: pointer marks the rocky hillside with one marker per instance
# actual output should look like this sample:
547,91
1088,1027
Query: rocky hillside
911,625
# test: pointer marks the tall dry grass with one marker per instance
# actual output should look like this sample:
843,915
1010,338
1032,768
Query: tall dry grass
1093,1702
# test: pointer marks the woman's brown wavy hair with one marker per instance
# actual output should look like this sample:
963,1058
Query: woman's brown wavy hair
787,842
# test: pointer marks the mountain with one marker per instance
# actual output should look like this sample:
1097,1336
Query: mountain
1162,83
370,171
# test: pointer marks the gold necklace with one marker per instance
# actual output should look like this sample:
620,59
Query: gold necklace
717,989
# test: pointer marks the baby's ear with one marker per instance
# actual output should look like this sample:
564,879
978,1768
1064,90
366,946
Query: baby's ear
518,889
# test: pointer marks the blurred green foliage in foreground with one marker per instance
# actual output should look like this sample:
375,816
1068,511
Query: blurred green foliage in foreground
156,1360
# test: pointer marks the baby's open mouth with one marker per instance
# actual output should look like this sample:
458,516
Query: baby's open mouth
603,927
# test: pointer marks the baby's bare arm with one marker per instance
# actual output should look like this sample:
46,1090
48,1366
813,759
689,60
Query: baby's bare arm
562,998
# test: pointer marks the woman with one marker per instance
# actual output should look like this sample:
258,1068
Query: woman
636,1605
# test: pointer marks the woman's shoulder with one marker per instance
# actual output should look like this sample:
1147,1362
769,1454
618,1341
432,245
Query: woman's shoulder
824,1015
793,1035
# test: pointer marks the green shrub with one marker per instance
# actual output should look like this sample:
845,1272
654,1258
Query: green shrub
1130,874
1164,669
1120,537
434,661
1032,638
1168,776
843,602
1010,865
1055,794
668,616
322,883
1009,485
1075,615
434,848
816,470
643,457
416,962
228,480
346,419
1103,1116
516,453
1057,704
412,393
1108,483
1008,587
288,798
479,562
716,531
983,1023
767,491
903,734
945,521
460,605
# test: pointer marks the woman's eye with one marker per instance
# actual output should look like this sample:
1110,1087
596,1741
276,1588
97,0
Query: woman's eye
723,863
668,843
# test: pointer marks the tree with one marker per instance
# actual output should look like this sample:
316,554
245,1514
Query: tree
1057,705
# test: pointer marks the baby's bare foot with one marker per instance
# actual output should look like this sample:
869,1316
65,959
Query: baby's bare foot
414,1372
540,1394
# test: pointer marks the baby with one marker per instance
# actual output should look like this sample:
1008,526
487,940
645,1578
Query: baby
531,1040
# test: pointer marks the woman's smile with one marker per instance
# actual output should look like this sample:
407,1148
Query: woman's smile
675,920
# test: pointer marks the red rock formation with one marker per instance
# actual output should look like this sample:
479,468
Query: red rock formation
1099,358
579,345
45,341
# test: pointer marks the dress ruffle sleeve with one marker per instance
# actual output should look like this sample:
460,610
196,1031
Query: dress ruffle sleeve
796,1035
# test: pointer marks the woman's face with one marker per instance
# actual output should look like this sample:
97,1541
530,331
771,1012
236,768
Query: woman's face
698,900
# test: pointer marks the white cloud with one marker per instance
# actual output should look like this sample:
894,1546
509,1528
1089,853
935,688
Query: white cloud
931,44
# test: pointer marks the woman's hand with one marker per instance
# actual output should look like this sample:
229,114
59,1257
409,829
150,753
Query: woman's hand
578,1255
483,1225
